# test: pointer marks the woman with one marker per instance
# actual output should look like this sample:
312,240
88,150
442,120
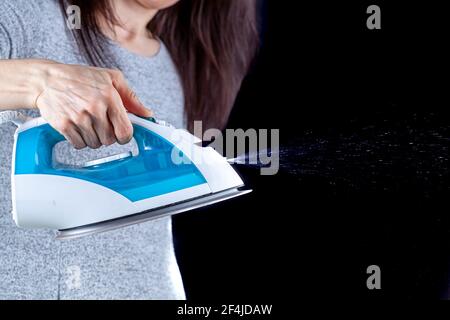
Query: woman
183,60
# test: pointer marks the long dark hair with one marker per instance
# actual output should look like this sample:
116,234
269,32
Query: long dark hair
212,43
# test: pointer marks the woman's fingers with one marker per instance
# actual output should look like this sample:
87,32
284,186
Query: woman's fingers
89,105
85,125
73,136
104,129
128,97
123,130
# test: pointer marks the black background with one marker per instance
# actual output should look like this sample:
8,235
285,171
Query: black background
365,174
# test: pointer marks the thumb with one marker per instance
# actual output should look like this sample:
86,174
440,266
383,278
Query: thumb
129,98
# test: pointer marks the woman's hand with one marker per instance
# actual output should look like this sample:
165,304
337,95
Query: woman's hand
87,105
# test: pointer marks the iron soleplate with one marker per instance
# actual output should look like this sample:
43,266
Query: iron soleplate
149,215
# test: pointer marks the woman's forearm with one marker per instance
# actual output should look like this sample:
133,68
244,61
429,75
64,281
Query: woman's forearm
21,82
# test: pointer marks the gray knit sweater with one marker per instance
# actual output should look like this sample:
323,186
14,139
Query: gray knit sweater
136,262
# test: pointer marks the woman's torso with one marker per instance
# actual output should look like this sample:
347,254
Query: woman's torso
133,262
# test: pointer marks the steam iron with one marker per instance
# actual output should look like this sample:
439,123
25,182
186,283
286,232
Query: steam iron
172,173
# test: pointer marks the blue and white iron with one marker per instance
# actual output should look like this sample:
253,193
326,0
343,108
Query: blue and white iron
171,174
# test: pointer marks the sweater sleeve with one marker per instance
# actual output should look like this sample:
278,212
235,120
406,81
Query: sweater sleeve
19,23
